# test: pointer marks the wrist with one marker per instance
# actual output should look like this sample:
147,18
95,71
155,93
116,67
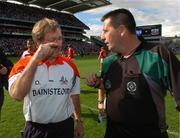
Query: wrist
100,101
99,84
79,120
35,59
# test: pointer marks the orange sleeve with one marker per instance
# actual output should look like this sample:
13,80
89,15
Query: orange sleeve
19,66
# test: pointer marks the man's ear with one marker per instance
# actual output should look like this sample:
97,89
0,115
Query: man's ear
122,30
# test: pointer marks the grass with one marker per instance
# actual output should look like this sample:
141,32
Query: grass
12,120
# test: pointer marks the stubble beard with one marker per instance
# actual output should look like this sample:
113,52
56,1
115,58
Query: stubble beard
56,53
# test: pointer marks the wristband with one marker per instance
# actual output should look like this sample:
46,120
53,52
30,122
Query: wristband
97,86
79,120
100,101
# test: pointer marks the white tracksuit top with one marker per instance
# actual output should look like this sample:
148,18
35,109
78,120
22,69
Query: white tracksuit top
49,98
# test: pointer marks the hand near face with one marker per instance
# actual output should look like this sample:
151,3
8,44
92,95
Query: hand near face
93,80
45,51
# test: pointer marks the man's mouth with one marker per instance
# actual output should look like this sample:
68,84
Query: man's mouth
107,43
54,46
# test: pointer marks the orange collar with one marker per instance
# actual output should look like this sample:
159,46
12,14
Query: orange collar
56,61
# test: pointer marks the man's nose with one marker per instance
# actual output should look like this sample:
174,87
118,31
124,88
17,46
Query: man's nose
102,37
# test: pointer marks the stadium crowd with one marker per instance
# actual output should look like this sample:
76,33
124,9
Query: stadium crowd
16,22
15,46
23,12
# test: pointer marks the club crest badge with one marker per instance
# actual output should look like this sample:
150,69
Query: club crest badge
131,87
63,80
107,84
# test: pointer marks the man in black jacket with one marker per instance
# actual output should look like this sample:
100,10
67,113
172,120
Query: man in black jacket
5,67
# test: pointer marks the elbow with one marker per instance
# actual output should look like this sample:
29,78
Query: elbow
15,95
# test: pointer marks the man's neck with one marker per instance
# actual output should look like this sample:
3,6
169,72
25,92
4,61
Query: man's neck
132,48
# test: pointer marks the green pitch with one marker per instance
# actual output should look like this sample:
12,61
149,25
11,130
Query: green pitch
12,120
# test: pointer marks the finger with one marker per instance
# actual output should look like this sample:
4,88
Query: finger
90,83
79,135
94,78
76,135
102,110
89,80
52,45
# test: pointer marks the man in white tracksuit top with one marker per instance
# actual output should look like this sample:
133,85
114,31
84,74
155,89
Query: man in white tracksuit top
49,85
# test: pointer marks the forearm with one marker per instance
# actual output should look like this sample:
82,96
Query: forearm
77,114
22,85
76,102
101,98
101,94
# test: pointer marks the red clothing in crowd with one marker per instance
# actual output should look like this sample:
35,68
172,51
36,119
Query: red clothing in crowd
71,53
102,54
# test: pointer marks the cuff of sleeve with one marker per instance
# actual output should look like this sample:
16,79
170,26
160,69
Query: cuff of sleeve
79,120
100,101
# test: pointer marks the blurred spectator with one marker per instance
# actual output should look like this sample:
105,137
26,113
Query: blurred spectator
102,55
70,52
31,49
5,67
17,21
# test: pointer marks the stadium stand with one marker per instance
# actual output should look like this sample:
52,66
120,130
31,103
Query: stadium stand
97,40
17,20
173,43
71,6
146,33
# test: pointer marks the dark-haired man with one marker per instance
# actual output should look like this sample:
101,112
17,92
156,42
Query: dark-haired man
135,79
31,48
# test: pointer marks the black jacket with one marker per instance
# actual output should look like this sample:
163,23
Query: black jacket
8,64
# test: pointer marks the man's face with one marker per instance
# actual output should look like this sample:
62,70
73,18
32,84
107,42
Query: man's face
30,46
110,35
56,37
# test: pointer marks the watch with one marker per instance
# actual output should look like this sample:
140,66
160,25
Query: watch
79,120
100,101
